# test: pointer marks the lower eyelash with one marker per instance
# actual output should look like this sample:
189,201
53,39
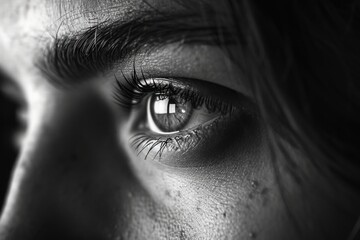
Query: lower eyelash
181,143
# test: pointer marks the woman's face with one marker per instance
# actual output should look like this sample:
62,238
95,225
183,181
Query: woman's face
164,142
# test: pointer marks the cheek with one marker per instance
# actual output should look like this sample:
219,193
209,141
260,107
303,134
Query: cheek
226,199
94,180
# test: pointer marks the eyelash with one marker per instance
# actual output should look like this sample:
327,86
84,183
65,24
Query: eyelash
134,89
181,142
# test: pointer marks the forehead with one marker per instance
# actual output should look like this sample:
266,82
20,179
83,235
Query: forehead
28,26
50,15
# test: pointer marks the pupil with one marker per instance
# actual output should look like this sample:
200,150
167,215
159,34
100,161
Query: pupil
169,113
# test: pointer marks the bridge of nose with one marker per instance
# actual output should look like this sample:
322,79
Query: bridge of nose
74,175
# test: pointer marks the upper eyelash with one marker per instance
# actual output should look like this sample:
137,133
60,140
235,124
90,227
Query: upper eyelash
136,87
133,90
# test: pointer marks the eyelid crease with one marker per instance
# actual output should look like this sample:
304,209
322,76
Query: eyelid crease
74,59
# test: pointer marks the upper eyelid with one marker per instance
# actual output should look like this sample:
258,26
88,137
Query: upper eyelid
134,83
201,63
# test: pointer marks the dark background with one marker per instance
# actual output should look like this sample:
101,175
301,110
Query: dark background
8,152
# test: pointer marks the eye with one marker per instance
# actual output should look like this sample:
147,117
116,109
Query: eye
168,114
171,113
175,116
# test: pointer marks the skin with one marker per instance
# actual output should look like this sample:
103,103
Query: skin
77,178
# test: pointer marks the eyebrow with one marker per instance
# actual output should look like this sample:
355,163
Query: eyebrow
75,58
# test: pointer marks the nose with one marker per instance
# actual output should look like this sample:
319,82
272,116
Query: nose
71,177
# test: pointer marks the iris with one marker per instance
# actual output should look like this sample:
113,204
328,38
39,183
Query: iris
169,113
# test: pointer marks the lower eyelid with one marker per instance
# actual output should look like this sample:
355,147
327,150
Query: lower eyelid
156,147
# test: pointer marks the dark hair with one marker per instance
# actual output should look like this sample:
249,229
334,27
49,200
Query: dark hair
308,86
301,59
303,62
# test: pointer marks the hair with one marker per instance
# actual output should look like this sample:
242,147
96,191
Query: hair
302,63
309,54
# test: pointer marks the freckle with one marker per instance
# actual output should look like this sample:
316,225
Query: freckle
247,206
224,214
179,194
254,184
252,235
